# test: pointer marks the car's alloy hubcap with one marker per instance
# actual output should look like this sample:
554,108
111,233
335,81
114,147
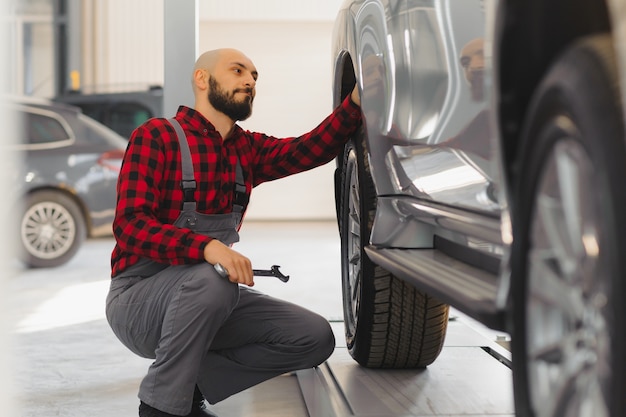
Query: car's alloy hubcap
568,344
354,268
48,230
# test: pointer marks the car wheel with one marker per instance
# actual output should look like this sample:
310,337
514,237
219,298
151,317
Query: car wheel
52,229
388,323
569,242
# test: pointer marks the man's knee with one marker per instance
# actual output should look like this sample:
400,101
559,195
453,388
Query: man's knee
322,339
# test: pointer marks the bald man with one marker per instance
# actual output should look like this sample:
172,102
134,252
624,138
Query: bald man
472,61
182,192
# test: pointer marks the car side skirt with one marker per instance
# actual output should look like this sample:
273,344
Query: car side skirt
471,290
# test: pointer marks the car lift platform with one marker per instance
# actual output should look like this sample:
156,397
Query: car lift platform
471,377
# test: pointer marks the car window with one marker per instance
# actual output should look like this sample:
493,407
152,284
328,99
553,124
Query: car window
95,132
42,129
125,117
94,111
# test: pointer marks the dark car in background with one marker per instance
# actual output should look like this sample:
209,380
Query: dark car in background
488,176
65,184
122,111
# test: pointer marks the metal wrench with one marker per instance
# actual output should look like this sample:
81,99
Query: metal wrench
274,272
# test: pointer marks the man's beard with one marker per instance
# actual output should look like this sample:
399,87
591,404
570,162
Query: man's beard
224,102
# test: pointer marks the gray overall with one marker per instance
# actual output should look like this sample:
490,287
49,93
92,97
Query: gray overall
203,330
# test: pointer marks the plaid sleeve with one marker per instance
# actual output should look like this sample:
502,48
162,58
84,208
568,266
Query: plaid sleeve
139,228
277,158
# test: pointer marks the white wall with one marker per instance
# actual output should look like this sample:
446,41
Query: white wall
122,43
270,10
289,42
293,96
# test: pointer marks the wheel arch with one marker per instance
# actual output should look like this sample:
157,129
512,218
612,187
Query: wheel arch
531,34
345,77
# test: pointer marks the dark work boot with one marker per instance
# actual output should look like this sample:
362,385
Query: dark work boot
146,411
198,407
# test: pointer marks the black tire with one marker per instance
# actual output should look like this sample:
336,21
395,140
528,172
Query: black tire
569,223
388,323
51,229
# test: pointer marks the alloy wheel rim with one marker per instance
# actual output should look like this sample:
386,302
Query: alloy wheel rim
48,230
568,345
354,250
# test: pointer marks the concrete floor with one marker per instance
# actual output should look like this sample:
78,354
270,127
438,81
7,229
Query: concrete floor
68,363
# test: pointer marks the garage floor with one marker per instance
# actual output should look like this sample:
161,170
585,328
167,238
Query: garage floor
68,363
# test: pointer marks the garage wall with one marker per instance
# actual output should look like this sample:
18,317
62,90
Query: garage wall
122,44
269,10
289,42
293,96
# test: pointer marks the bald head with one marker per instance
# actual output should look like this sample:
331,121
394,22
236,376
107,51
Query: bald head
211,59
472,54
208,60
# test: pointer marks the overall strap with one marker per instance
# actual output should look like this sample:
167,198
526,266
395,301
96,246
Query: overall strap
241,198
188,183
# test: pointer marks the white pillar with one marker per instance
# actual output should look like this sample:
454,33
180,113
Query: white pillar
7,165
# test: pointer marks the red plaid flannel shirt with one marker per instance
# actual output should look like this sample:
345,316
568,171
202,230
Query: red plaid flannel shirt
149,195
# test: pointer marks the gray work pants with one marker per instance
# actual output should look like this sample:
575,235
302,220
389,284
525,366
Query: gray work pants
203,330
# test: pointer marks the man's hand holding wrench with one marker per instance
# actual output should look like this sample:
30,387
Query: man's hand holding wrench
238,266
273,272
239,270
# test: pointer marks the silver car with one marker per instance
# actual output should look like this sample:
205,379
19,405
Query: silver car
489,175
65,186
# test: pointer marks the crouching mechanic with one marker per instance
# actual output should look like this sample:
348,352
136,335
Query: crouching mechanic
182,191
